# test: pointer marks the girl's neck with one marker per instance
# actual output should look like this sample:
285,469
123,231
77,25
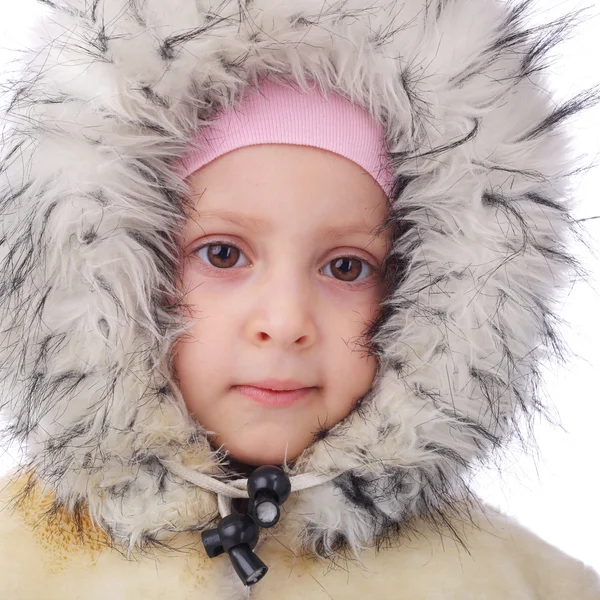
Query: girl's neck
235,467
239,468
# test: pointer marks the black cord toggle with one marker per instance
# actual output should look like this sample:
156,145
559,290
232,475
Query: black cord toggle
237,534
268,488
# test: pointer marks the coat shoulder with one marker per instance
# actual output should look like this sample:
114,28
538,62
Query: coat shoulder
489,556
554,573
49,553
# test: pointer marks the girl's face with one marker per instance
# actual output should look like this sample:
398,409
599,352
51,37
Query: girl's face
280,268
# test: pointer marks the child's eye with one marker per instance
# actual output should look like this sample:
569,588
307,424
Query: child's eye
350,267
224,256
221,255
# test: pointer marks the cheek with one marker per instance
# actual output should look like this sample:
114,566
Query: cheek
351,365
207,338
354,313
201,353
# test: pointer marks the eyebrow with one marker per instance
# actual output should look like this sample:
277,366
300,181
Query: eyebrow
256,224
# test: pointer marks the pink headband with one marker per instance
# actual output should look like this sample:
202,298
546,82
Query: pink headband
278,114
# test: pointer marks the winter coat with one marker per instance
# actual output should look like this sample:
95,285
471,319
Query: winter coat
119,482
47,553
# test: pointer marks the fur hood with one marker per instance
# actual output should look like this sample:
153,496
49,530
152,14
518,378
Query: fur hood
90,207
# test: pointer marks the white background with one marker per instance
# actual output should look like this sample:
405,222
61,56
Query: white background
552,490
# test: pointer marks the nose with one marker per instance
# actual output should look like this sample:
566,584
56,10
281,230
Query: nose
284,312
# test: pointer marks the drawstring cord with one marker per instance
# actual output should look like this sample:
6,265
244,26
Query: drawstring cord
238,488
239,534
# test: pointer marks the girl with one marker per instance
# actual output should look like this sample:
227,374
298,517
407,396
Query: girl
275,275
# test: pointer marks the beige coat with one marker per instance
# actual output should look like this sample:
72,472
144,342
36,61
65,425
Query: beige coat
45,560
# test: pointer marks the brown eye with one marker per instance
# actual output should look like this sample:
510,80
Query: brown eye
348,268
222,256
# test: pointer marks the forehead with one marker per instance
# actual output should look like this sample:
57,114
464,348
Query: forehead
331,231
266,181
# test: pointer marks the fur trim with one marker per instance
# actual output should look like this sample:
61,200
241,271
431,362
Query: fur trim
90,207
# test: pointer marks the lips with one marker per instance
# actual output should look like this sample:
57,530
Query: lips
278,384
274,398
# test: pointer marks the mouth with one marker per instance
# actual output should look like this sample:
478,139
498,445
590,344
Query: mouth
274,398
